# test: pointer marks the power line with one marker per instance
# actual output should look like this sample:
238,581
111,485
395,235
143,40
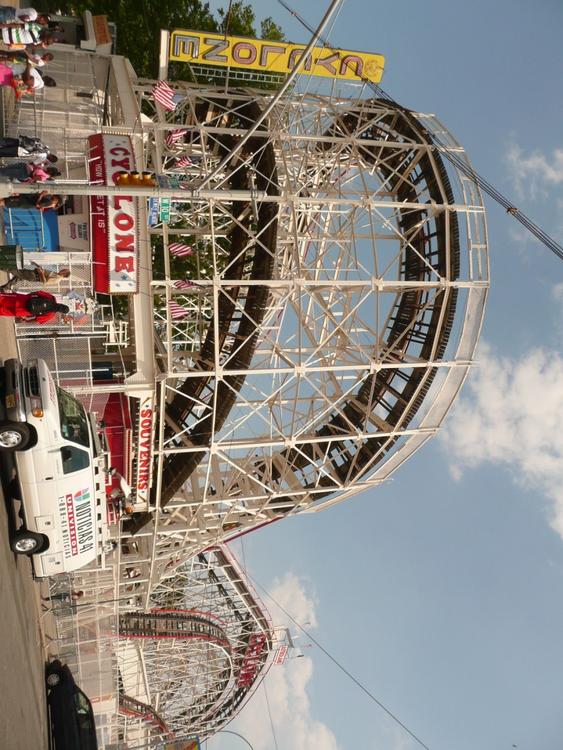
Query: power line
456,161
340,666
270,715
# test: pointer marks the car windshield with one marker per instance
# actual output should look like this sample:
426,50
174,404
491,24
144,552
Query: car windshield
74,426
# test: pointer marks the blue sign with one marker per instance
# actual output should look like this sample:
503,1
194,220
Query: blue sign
153,212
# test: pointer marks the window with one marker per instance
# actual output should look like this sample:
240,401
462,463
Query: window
73,419
85,720
81,703
74,459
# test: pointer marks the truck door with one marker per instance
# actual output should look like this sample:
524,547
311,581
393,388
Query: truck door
76,503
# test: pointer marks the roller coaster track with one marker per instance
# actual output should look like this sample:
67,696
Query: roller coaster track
171,625
419,325
416,319
181,626
129,706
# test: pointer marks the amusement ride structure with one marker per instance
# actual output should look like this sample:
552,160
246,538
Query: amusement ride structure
307,303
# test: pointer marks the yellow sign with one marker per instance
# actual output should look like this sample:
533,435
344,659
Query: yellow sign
272,57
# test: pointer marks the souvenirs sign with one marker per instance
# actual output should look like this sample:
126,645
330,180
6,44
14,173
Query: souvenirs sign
145,440
272,57
114,220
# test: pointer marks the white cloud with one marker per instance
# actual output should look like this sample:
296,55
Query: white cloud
511,415
286,687
557,292
533,173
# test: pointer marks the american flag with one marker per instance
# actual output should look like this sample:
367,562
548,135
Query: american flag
180,251
183,161
184,284
175,135
164,95
177,311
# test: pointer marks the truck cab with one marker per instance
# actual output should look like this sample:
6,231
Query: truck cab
60,470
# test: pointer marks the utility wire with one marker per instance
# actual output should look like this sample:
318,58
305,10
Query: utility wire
340,666
455,160
270,715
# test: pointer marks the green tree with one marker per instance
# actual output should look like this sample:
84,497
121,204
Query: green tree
139,21
270,30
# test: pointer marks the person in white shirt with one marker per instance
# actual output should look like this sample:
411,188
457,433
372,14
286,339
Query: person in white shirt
18,57
11,16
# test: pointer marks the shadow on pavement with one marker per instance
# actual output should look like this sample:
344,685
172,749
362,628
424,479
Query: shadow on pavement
7,477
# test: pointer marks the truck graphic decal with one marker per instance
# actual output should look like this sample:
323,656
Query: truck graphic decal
77,523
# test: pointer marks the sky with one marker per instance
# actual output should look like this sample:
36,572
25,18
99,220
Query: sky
442,590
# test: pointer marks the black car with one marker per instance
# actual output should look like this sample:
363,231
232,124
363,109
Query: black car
72,718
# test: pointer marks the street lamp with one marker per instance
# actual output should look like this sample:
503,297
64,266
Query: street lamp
229,731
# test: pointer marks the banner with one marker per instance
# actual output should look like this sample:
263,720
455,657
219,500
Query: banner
113,219
145,441
279,656
272,57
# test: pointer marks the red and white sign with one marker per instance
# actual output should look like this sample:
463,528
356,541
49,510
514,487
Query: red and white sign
252,660
280,655
144,448
114,219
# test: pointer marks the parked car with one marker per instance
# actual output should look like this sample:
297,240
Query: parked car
71,715
58,459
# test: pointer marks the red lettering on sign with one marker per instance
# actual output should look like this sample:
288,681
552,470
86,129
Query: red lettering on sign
145,448
125,242
125,264
123,165
71,525
252,660
123,222
118,200
113,218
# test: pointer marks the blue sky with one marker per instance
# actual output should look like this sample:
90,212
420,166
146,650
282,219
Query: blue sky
442,591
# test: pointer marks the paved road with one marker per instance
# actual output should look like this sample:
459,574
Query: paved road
23,713
23,721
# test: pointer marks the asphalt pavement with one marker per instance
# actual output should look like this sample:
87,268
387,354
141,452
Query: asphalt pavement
23,717
23,646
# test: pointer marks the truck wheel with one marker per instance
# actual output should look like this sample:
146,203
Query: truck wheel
14,436
27,542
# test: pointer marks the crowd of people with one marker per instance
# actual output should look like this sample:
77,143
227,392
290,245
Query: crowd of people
24,35
34,164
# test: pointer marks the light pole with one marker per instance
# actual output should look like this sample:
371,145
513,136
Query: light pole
229,731
161,744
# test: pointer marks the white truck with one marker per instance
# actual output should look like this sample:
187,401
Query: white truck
59,470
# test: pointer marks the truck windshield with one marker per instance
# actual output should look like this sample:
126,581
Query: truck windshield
73,419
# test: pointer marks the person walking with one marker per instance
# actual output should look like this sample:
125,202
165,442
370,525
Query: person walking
23,78
25,145
22,56
11,16
36,275
25,171
43,201
36,307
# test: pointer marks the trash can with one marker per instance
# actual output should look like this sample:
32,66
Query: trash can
11,256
